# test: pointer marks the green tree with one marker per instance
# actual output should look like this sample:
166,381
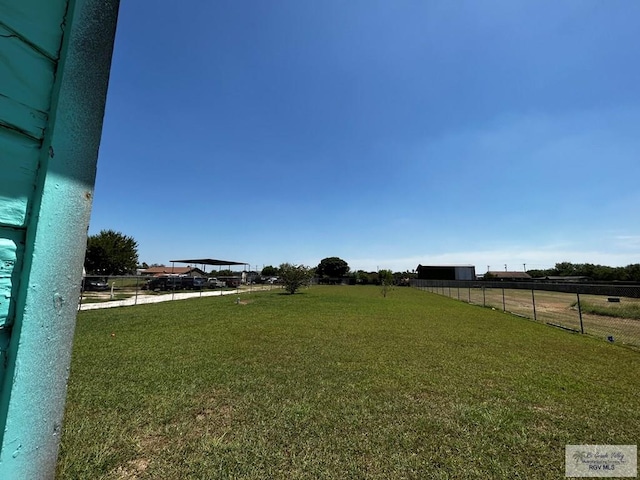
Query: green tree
111,253
633,272
601,273
362,277
294,276
224,273
332,267
366,278
269,271
537,273
386,281
565,269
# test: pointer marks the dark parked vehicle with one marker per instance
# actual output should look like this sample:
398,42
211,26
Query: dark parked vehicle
176,283
95,284
164,283
193,283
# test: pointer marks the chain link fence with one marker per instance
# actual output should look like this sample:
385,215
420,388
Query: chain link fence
611,312
99,292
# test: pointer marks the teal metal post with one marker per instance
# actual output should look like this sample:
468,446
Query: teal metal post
54,66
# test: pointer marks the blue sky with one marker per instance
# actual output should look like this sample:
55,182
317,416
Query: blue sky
387,133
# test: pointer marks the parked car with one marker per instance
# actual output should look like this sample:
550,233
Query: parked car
193,283
233,282
95,284
164,283
176,283
213,282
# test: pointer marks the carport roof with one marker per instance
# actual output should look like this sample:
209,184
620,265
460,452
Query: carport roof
209,261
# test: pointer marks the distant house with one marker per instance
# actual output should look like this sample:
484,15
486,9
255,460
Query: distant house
446,272
508,276
185,271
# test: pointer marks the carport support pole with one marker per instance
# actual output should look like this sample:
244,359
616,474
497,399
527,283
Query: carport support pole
173,289
580,313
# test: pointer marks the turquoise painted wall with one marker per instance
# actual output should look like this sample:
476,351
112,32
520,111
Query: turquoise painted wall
30,40
55,57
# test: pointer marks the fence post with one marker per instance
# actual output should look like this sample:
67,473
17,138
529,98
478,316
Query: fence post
469,289
484,297
135,302
533,301
504,305
81,295
458,292
580,313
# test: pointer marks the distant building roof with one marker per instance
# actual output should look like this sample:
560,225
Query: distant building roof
565,278
509,275
171,271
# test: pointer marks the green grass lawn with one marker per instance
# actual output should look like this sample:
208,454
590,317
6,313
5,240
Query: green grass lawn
618,310
337,382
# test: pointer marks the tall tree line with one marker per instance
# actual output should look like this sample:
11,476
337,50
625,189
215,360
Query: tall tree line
630,273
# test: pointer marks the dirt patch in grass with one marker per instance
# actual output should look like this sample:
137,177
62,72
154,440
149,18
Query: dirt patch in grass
132,470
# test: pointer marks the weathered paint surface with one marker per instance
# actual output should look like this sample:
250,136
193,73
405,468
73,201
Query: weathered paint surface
30,45
55,57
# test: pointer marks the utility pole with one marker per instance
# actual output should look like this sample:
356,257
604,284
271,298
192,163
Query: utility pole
505,267
524,267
